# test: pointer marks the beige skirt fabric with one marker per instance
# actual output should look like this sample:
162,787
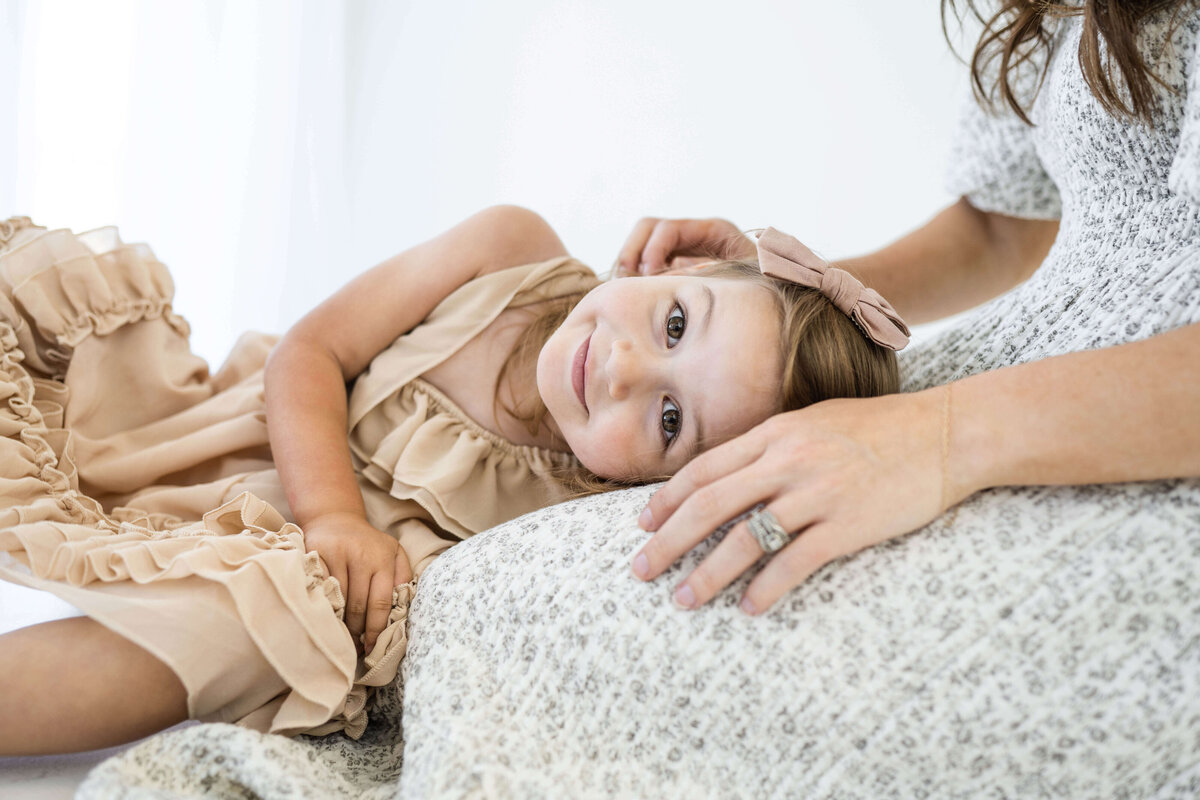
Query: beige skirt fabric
139,487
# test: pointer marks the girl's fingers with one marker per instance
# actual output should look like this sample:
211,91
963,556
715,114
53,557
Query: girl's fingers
815,547
379,605
702,471
356,605
403,569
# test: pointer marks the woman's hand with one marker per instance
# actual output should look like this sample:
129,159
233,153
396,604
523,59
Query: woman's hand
841,476
366,562
656,245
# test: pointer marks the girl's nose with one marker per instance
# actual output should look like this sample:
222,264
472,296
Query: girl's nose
626,368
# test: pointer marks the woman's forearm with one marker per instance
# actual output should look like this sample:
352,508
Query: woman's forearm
1123,413
959,259
306,421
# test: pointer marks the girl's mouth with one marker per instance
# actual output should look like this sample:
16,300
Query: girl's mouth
579,372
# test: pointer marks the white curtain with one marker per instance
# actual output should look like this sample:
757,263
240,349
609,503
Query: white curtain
215,131
270,149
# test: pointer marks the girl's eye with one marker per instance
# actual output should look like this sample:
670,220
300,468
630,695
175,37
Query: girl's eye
672,420
676,324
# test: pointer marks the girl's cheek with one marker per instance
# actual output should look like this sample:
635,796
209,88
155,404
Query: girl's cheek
621,439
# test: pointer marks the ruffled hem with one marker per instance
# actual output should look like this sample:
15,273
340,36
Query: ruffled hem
242,561
72,286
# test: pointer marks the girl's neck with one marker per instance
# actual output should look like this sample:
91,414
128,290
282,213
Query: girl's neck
518,393
494,381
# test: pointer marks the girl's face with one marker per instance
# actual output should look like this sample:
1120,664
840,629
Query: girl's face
646,373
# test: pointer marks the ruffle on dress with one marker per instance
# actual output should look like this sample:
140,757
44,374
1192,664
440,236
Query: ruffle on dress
72,286
228,599
466,477
415,447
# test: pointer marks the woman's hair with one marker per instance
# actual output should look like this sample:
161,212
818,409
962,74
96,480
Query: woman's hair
824,356
1017,34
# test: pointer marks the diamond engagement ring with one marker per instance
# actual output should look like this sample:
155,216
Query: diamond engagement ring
766,530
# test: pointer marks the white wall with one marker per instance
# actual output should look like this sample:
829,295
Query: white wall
270,150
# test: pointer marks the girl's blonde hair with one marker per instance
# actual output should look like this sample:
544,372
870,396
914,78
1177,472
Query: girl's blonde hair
824,356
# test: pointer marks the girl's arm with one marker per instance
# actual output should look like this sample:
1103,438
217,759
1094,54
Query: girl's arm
306,377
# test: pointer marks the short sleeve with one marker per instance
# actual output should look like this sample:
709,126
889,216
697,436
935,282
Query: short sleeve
994,164
1184,178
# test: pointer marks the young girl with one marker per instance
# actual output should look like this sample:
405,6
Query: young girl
479,376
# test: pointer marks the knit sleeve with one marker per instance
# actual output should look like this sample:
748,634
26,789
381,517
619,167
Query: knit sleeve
1184,178
994,164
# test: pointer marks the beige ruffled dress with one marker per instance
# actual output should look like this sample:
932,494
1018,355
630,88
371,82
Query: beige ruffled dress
139,487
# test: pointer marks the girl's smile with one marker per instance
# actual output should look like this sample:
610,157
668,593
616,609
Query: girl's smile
579,378
647,372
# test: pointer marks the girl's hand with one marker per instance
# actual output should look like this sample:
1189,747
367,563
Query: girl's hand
366,562
841,476
656,245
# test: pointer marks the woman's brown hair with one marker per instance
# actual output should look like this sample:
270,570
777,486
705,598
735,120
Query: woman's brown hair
824,355
1018,34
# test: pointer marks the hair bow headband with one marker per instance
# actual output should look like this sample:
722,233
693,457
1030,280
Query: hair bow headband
786,258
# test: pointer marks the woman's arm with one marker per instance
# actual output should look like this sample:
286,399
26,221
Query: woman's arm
959,259
306,377
848,474
1126,413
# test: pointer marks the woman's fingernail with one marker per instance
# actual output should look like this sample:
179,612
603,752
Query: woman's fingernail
747,606
641,566
684,596
645,519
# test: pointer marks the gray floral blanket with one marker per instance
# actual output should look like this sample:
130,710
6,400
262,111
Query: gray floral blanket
1047,644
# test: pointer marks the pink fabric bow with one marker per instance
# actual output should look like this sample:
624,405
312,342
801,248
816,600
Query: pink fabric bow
785,257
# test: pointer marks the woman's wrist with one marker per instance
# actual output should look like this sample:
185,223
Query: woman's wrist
961,443
972,461
1116,414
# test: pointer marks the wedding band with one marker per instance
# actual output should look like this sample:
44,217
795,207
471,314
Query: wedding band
766,530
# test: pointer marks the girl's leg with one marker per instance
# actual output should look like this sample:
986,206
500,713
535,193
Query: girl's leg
72,685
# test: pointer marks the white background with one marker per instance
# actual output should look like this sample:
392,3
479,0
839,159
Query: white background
268,151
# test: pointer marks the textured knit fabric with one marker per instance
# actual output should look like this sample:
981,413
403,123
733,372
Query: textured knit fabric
1040,642
140,488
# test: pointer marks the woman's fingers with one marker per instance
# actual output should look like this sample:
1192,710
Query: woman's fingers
630,257
839,476
702,471
736,553
654,243
379,606
815,547
706,510
666,237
